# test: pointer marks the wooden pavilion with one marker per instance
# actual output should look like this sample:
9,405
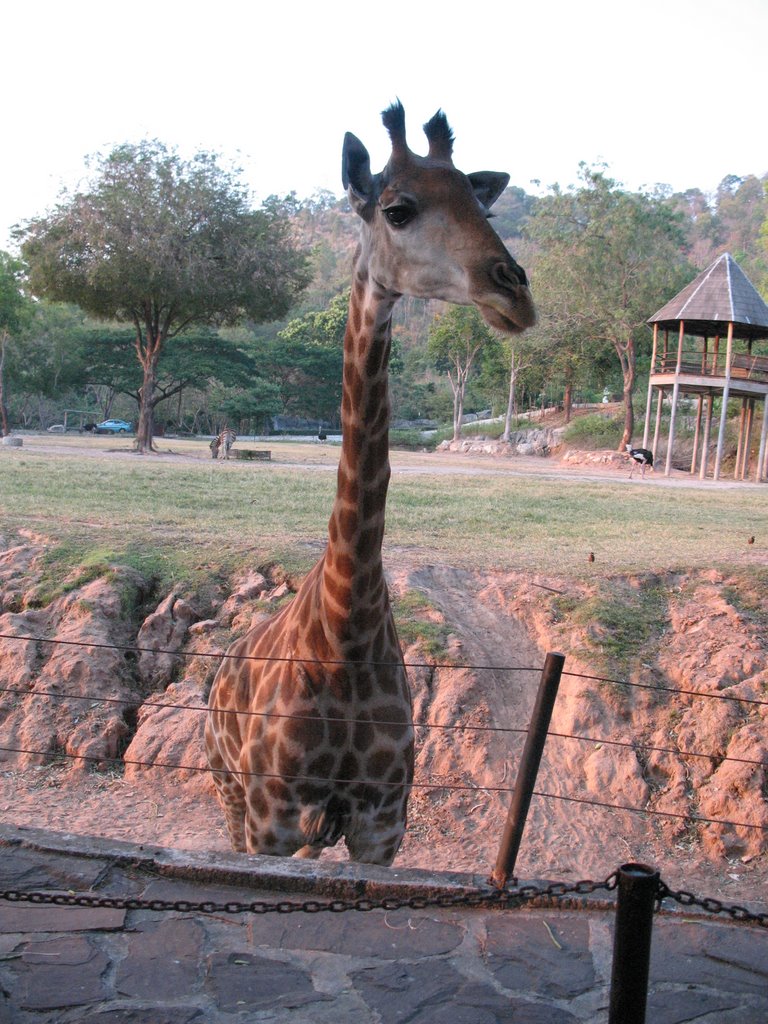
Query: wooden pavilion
721,304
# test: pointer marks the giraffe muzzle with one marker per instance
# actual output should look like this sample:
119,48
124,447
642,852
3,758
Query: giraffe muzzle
505,302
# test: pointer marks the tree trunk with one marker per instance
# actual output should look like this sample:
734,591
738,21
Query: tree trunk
3,406
458,410
510,398
145,431
627,358
568,402
148,350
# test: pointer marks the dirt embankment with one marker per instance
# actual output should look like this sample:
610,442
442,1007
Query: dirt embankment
91,696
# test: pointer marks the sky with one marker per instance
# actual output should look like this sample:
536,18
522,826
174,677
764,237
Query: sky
664,91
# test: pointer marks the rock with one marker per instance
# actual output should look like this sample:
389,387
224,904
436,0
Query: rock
203,626
78,692
251,588
169,730
539,442
161,635
614,774
735,794
279,592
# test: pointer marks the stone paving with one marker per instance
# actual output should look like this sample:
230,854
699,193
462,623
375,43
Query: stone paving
435,966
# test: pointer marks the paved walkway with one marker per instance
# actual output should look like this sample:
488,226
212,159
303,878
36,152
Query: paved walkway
452,966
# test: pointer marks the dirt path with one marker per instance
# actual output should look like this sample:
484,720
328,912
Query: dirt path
322,458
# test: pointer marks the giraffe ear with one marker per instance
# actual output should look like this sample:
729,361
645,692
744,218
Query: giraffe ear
488,186
356,172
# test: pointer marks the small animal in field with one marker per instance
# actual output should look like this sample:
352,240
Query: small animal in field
639,457
222,445
322,437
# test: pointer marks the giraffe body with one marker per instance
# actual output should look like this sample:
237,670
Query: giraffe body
309,732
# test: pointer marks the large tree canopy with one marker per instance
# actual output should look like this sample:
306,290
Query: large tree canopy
15,312
608,260
162,243
305,361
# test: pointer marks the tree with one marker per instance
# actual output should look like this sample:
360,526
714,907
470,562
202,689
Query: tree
519,360
164,244
46,364
193,360
608,260
455,339
15,312
305,360
244,407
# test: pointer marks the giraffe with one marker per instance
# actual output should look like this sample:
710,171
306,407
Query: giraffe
309,732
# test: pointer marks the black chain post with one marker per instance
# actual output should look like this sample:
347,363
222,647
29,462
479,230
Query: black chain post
638,889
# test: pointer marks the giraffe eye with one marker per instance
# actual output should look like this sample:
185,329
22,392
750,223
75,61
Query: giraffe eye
399,216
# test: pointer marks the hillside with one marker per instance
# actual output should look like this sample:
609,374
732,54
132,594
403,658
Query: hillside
91,696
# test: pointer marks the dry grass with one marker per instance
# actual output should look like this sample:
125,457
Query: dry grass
183,516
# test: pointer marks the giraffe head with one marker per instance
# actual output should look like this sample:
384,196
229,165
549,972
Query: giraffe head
426,230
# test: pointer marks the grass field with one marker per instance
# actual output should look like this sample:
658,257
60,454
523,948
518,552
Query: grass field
180,518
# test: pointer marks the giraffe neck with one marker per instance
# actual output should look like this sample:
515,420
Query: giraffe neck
355,595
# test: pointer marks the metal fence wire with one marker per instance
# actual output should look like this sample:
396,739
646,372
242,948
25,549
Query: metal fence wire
136,704
640,889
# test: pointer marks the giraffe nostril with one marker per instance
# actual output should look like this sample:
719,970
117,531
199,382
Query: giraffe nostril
508,275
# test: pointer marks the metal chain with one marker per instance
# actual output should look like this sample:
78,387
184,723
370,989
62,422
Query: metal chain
712,906
480,897
504,898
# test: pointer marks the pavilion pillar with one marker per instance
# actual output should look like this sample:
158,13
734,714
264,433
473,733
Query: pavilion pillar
707,435
657,428
740,444
697,433
675,396
724,410
760,472
649,399
748,439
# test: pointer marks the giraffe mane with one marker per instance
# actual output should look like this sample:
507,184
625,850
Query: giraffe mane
440,137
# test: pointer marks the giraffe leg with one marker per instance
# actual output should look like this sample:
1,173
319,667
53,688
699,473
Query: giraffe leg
376,845
378,852
231,796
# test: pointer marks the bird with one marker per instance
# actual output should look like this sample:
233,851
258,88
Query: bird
640,457
321,434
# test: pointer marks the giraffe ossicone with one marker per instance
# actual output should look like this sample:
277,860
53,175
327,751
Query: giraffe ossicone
309,732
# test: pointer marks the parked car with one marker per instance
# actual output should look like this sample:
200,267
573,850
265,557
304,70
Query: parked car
113,427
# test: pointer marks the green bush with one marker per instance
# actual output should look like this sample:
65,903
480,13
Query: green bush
595,431
412,440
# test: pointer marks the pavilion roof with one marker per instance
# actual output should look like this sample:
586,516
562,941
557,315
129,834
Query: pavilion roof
720,295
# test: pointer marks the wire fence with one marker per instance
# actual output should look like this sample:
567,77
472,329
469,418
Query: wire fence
638,886
129,704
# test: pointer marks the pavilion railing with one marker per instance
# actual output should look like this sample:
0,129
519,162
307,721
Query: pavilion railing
696,361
